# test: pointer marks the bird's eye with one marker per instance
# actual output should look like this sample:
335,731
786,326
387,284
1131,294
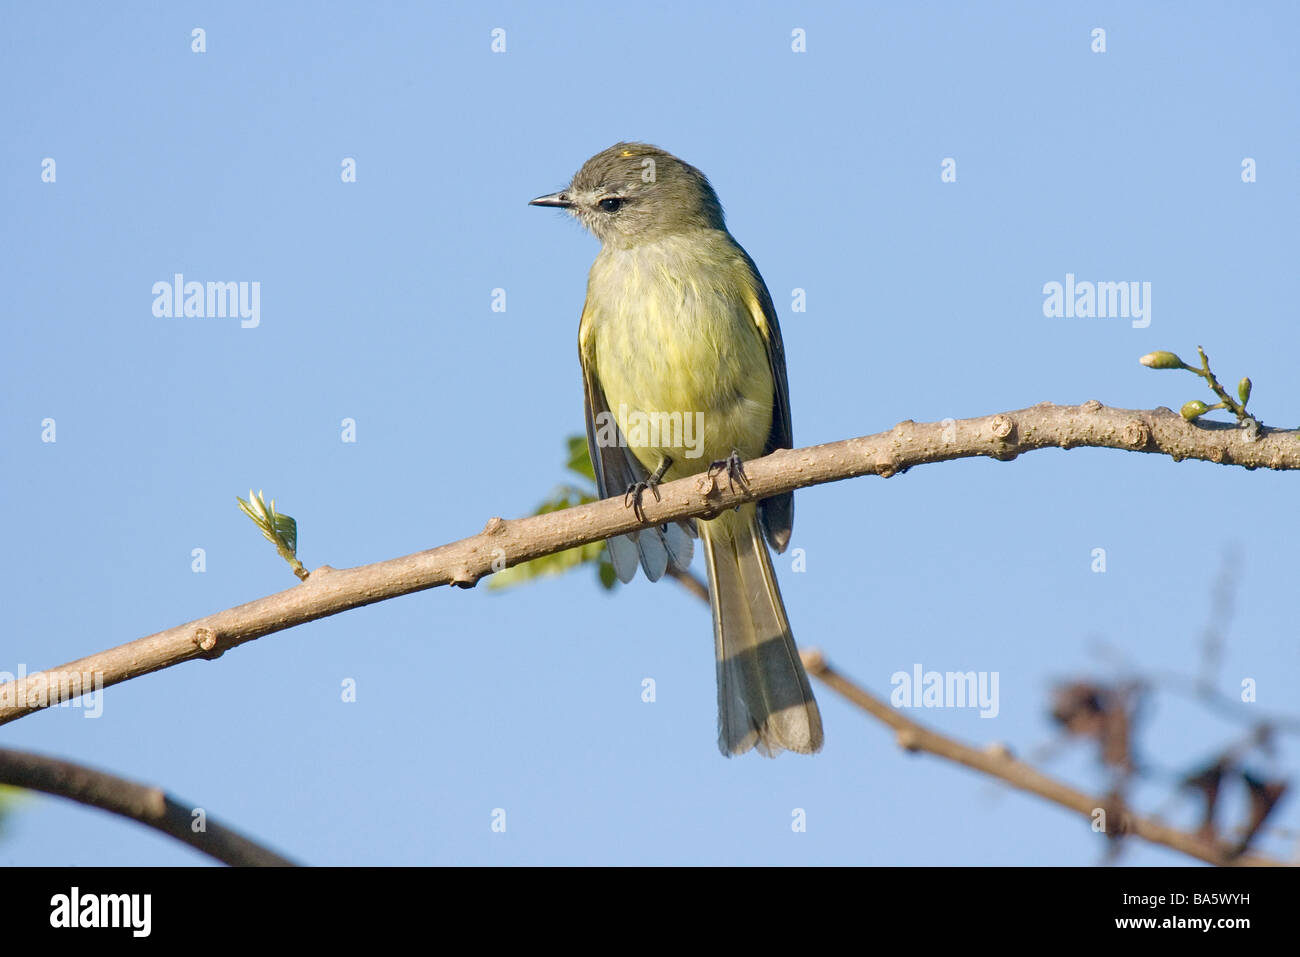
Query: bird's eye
611,205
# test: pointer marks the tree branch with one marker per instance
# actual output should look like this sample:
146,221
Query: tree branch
329,591
998,762
150,806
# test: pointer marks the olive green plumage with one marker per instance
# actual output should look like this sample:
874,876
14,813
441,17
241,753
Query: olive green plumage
679,330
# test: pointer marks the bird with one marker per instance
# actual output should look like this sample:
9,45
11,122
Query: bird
684,372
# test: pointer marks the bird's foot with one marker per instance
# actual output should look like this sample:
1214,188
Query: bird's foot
636,490
735,469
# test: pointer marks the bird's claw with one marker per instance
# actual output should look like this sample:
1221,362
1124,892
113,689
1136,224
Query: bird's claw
637,489
735,469
634,492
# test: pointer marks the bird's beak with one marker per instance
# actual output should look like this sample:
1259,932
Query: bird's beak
559,199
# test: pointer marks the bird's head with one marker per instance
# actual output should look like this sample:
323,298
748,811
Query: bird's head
633,193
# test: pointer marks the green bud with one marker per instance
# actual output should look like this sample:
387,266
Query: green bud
1194,409
1243,390
1161,360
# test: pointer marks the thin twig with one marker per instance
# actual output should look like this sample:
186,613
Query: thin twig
691,583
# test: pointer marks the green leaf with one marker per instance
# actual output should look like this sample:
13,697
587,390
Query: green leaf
562,497
556,564
10,800
278,529
287,529
565,496
579,458
605,571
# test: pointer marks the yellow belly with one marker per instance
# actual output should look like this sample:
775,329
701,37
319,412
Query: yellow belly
682,365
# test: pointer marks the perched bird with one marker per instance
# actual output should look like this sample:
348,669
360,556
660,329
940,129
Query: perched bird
685,372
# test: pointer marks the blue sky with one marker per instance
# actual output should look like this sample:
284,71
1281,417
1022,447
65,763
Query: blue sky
924,301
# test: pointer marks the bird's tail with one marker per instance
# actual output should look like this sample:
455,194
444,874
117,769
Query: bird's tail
764,699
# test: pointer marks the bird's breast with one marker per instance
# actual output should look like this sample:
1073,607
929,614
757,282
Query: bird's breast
675,345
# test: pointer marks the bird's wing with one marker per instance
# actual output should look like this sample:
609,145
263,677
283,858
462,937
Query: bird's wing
616,470
776,514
